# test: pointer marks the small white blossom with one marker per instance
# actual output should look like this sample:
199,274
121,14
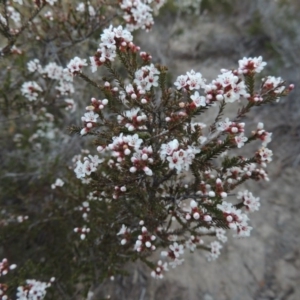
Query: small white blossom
76,64
31,90
57,183
251,65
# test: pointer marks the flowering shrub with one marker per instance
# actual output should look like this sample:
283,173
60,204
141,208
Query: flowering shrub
149,139
157,179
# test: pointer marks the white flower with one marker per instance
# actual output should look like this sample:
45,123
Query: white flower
135,118
243,230
275,84
221,235
224,125
79,169
177,249
146,77
31,90
265,154
108,37
195,80
252,204
233,88
95,160
76,64
240,140
123,230
251,65
5,267
168,149
34,65
178,159
215,249
88,167
137,14
90,117
65,88
133,141
120,32
33,290
181,82
198,100
57,183
49,15
53,71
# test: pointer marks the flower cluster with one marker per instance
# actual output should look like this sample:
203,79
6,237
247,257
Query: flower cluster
5,267
82,231
215,248
8,218
112,40
3,290
249,65
235,219
228,87
236,174
145,240
89,120
263,135
76,64
159,269
145,79
196,213
235,129
251,203
264,156
89,165
127,151
178,158
275,85
138,13
133,119
33,290
190,81
32,90
84,209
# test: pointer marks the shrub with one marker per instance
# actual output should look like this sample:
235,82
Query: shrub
155,179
